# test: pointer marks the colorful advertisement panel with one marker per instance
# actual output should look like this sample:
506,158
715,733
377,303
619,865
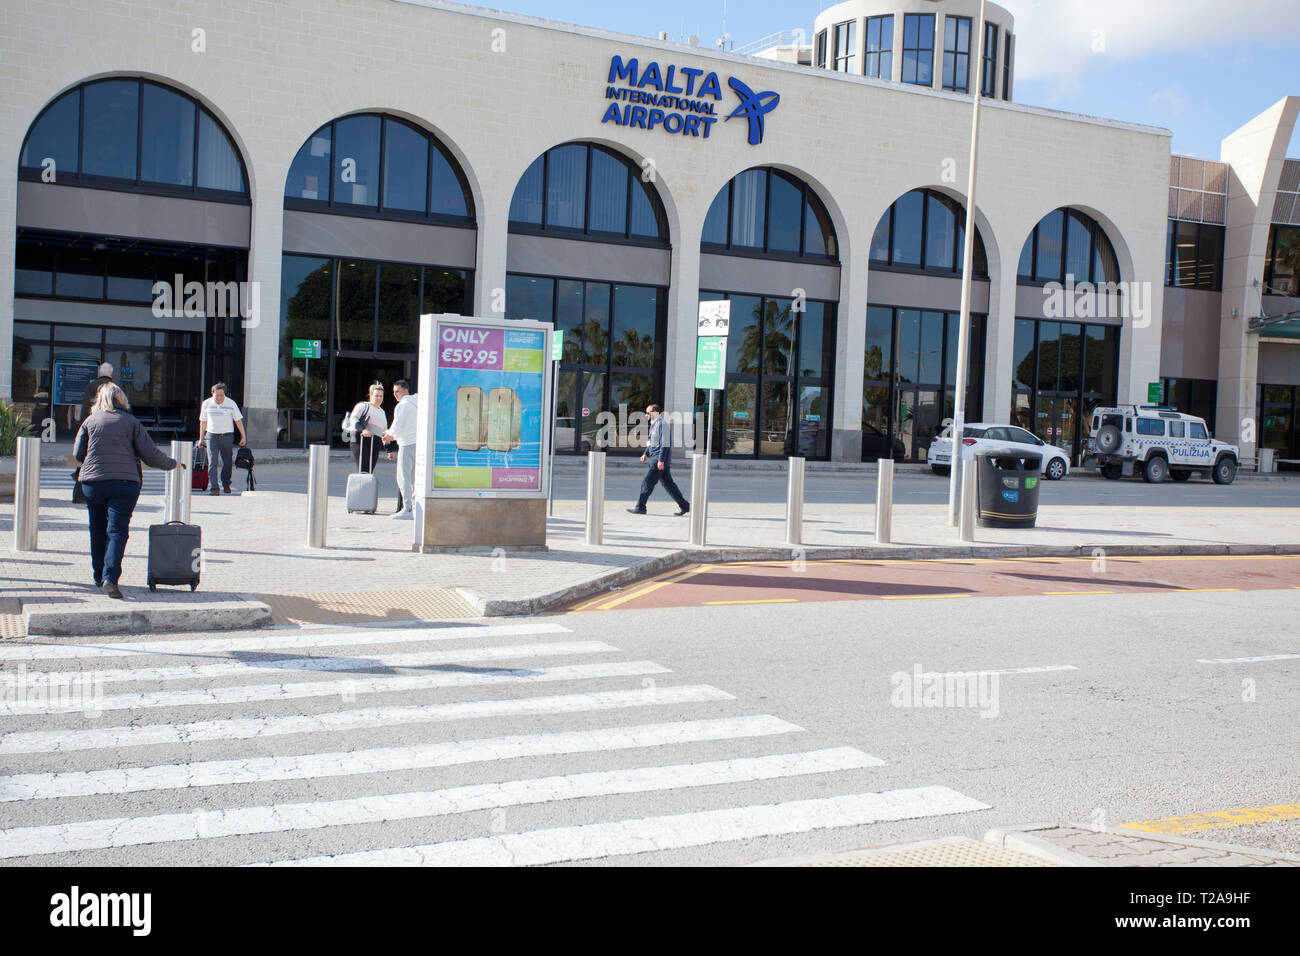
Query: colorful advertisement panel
490,407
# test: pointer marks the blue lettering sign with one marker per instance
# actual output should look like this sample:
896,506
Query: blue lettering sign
680,106
753,106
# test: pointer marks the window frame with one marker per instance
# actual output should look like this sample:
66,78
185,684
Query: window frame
793,376
919,18
1008,49
379,210
989,64
1173,260
137,184
1270,259
1096,233
846,58
958,236
956,53
586,233
808,196
884,53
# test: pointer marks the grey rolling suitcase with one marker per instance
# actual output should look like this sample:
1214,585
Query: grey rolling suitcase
174,550
363,487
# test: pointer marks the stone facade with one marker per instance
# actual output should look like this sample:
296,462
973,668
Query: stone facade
499,90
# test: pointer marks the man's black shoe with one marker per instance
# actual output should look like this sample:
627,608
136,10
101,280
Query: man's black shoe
113,590
635,511
686,510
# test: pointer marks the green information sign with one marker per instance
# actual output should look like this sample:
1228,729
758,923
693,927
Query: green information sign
1155,392
306,348
557,344
710,361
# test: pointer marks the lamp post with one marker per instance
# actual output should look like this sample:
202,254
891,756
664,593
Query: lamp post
967,266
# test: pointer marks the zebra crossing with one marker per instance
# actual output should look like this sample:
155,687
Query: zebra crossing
154,482
465,743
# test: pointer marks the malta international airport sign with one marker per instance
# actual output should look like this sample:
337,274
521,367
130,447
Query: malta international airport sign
681,100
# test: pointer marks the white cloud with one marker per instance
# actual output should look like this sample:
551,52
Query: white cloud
1169,101
1060,40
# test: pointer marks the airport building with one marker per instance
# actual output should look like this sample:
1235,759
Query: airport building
188,190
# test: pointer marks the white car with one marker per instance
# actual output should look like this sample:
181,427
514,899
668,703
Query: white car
983,436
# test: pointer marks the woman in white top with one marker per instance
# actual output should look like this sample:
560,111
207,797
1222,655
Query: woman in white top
369,434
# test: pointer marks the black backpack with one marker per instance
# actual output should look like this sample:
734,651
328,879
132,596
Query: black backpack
244,459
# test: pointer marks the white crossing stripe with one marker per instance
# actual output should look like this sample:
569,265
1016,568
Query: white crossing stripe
285,817
248,728
651,834
1004,670
213,773
1249,660
308,664
349,686
274,640
154,482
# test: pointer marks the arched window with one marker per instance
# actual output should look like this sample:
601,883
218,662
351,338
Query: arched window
130,133
582,189
768,212
1067,242
925,230
373,164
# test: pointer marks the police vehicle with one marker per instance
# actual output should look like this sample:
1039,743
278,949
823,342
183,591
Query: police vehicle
1158,442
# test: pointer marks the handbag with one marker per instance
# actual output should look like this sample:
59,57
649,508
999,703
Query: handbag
78,493
353,426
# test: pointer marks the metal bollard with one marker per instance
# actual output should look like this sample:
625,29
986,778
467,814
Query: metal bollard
27,494
318,494
969,504
885,501
177,507
699,498
794,503
596,497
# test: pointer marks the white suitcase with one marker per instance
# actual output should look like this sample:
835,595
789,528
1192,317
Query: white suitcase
363,489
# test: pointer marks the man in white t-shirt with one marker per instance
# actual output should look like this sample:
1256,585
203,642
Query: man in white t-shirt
218,418
403,431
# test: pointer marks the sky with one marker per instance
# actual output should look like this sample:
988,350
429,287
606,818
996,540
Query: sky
1199,68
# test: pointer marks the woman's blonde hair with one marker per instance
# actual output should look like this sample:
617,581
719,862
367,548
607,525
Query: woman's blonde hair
110,398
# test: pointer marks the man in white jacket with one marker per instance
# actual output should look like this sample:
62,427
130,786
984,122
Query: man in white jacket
403,431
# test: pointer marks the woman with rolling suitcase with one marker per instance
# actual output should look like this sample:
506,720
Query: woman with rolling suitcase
110,446
366,419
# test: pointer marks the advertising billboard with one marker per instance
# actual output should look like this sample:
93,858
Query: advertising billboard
491,403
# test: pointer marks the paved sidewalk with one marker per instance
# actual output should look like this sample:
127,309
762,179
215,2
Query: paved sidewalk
1050,845
254,547
1080,845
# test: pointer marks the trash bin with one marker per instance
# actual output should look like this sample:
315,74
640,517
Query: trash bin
1008,488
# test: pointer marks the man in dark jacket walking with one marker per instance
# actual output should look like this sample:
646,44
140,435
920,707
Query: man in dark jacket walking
659,453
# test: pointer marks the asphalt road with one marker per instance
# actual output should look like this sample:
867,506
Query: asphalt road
759,731
909,488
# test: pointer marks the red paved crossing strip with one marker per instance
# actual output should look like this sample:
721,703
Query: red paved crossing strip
786,582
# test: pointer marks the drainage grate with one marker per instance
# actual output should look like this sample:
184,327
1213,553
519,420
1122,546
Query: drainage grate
366,607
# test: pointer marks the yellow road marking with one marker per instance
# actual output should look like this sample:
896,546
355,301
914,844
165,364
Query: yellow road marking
1219,819
1078,592
1130,558
651,586
606,595
762,601
918,597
